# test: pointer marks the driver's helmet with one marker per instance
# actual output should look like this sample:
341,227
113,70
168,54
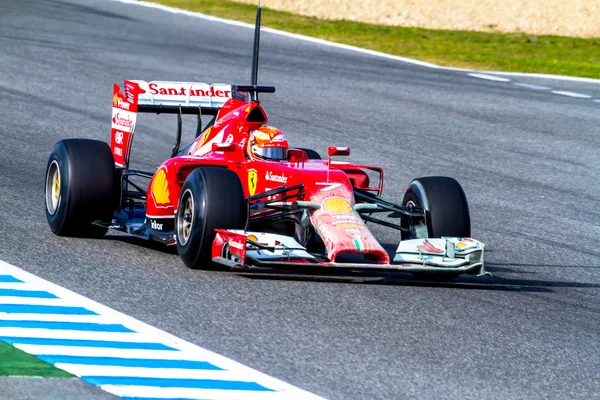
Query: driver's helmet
268,143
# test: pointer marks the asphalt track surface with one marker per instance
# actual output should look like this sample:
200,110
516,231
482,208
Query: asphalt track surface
529,162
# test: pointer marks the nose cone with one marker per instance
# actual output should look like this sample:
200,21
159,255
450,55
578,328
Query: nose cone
342,229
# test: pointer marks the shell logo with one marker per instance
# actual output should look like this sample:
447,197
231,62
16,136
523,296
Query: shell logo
160,188
337,205
115,100
461,245
252,237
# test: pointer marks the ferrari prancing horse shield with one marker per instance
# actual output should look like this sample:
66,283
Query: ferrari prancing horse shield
252,181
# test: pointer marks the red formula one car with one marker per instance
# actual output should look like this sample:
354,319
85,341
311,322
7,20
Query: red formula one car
240,196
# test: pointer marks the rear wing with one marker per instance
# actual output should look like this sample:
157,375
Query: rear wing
159,97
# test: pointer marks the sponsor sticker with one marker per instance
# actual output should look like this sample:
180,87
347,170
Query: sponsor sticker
428,247
123,121
194,91
348,226
160,188
273,177
235,244
336,205
156,225
252,181
119,137
119,103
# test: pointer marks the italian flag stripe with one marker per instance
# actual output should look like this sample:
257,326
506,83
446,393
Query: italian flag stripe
358,244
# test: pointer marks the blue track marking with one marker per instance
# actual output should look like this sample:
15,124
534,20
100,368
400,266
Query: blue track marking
27,293
33,309
78,326
86,343
9,279
68,333
129,362
176,383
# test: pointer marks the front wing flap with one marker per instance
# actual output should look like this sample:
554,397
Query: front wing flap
243,249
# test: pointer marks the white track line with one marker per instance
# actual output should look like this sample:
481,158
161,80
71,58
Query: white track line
531,86
19,286
548,76
489,77
407,60
132,337
571,94
140,372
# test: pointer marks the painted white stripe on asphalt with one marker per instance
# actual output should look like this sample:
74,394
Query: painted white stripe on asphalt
34,301
531,86
133,337
571,94
597,100
193,14
201,394
140,372
489,77
96,319
143,333
18,286
547,76
52,350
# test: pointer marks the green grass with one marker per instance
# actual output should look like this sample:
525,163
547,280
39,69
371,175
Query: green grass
16,362
476,50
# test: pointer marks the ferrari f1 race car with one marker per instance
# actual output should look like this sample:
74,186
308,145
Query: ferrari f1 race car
239,196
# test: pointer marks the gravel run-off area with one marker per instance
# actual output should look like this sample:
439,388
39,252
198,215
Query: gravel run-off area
579,18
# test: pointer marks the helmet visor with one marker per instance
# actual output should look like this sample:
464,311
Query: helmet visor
271,153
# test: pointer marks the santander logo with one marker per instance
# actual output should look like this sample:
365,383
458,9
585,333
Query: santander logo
236,245
124,122
270,176
204,91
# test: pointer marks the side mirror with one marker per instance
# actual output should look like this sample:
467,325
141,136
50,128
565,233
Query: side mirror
338,151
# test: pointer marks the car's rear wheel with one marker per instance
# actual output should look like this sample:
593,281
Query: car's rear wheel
79,187
211,198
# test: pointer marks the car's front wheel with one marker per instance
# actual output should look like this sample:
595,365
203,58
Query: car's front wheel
447,214
446,204
211,198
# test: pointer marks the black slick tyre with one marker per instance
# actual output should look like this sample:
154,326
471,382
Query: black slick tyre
80,187
211,198
446,204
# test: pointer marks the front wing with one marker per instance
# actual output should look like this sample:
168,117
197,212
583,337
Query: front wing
448,255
